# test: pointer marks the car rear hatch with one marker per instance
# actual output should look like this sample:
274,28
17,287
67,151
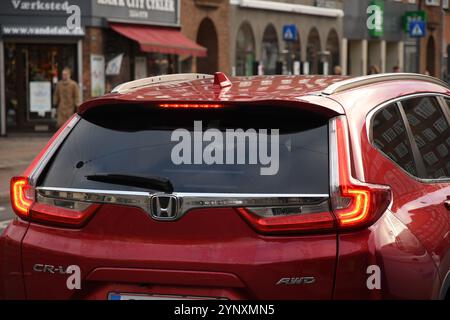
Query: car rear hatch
186,200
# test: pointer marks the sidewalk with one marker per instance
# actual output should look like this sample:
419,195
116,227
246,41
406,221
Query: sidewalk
16,153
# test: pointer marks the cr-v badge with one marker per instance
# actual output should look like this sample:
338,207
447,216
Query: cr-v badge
296,281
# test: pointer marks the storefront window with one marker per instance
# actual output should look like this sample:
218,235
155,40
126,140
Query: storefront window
245,51
32,71
293,58
270,50
313,52
333,51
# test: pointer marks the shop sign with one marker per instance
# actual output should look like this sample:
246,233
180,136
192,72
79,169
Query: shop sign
147,11
375,20
40,97
44,17
24,30
97,75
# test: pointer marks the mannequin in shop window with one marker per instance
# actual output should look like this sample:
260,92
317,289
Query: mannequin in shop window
66,97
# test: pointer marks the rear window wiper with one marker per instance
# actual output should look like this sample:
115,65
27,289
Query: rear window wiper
139,181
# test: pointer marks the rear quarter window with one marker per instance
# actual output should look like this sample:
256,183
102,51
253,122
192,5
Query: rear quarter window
390,137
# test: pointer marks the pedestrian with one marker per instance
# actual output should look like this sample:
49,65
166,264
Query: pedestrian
396,69
374,69
337,70
66,97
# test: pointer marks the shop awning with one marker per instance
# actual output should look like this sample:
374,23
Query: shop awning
158,39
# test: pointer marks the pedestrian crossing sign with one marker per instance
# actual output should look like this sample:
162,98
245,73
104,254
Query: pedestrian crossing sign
290,32
417,29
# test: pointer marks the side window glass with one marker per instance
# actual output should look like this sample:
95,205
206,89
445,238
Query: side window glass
391,138
431,132
447,100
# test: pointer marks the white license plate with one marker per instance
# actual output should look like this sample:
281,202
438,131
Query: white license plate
129,296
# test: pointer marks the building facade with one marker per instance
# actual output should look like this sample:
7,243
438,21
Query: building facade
103,42
432,46
446,27
207,23
381,44
285,37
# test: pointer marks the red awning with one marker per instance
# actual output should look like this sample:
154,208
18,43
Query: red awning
158,39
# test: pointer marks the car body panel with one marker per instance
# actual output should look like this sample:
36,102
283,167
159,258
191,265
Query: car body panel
215,253
228,250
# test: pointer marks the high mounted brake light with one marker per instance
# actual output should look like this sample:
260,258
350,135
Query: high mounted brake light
190,106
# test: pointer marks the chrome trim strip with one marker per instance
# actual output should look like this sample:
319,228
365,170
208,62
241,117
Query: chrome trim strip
186,201
378,78
127,198
445,286
34,175
369,120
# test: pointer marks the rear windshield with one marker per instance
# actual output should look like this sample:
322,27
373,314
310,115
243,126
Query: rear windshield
252,149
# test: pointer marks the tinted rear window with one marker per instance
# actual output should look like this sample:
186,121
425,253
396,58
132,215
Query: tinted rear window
137,140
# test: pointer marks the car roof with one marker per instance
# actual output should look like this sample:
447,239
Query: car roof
195,88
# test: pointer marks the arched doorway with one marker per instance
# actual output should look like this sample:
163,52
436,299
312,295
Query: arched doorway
207,37
333,52
270,50
245,50
313,51
431,56
293,51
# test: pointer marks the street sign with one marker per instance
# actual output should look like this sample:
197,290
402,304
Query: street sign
417,29
411,16
290,32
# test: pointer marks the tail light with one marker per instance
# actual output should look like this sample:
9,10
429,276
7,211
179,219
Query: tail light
353,204
31,207
28,205
295,222
22,196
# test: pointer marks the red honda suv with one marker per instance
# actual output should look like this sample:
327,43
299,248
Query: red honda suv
272,187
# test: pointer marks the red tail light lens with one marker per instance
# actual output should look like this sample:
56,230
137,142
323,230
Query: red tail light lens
354,203
288,224
22,196
60,213
61,216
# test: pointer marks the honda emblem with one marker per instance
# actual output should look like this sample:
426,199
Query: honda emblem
164,207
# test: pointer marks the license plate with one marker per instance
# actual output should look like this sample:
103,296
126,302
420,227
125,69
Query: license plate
130,296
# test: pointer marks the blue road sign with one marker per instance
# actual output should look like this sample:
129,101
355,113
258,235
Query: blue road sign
290,32
417,29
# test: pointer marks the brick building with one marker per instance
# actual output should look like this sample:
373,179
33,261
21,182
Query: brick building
115,41
207,23
432,45
447,41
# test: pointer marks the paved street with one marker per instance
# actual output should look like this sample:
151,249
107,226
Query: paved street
16,153
6,214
